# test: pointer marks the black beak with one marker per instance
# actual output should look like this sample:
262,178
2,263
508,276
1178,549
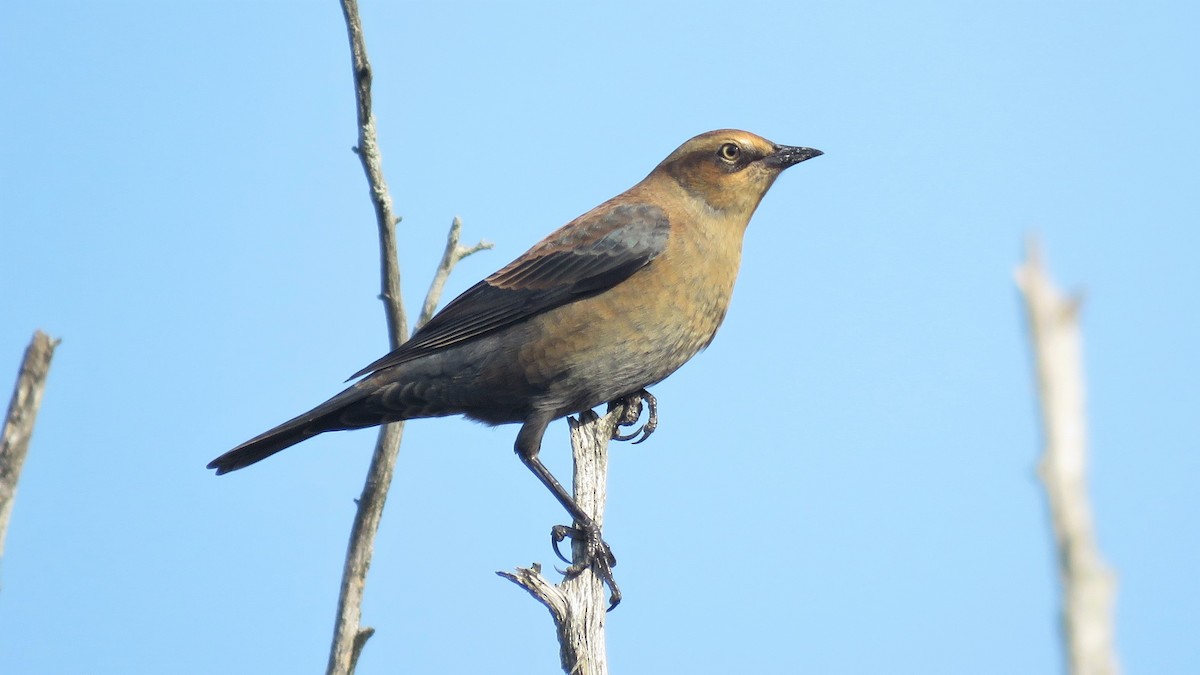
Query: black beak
787,155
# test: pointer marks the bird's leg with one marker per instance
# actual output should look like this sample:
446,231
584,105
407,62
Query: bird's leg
596,553
633,412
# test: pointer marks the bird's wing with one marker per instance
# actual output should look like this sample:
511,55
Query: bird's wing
589,255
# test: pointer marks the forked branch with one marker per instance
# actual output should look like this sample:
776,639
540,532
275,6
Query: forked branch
349,636
577,604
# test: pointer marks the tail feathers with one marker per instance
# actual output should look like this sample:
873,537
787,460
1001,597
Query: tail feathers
329,416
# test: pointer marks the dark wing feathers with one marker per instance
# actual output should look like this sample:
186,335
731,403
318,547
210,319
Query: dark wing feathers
589,255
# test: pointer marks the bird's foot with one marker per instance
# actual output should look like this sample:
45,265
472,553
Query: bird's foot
632,413
596,554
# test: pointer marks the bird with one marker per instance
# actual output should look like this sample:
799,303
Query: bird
606,306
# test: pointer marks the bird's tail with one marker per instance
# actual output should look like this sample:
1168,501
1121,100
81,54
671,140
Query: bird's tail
329,416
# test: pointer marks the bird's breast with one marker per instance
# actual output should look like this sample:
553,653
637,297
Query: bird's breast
638,332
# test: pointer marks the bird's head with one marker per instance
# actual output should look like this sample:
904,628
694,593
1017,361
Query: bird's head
730,170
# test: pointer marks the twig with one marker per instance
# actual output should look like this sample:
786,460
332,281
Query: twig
454,253
577,604
349,636
18,423
1089,586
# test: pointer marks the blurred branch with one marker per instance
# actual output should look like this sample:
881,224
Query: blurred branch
18,423
349,636
577,604
1089,586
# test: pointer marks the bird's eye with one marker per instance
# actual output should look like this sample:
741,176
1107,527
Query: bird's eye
730,152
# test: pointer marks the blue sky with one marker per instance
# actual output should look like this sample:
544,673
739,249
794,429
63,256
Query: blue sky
843,483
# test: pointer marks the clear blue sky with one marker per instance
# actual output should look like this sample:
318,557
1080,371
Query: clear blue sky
843,483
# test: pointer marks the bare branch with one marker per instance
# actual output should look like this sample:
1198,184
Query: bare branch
1089,586
348,635
577,604
454,253
18,423
368,154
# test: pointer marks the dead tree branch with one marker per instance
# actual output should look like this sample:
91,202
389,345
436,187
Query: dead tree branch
454,253
1089,586
577,604
349,636
18,423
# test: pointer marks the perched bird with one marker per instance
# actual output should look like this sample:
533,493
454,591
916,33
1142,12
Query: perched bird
609,304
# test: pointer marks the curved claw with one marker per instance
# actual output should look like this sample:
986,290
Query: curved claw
634,403
629,436
602,567
558,533
597,555
649,427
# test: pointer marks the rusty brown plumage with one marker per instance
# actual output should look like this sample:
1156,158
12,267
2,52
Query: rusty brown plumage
609,304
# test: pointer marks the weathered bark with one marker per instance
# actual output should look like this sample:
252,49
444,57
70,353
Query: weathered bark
577,604
349,636
18,423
